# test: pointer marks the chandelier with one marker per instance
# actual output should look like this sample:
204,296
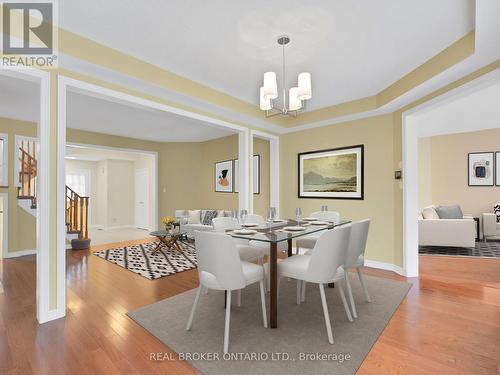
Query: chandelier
297,96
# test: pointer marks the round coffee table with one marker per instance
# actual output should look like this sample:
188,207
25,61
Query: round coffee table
168,239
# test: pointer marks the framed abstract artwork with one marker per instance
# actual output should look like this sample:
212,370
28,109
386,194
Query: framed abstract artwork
256,174
481,169
497,168
224,176
336,173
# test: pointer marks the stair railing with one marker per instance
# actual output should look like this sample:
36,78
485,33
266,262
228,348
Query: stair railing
28,171
77,213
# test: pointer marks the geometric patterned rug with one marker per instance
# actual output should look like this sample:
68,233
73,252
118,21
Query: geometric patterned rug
490,249
138,259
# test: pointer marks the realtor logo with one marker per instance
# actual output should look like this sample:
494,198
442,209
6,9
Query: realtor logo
29,34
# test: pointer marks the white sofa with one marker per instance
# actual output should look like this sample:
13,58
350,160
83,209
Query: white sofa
433,231
490,226
192,225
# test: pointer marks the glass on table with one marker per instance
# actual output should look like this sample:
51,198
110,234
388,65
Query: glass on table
298,215
243,216
271,216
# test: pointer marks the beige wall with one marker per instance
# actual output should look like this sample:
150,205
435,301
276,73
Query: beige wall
121,176
448,171
376,134
424,172
22,231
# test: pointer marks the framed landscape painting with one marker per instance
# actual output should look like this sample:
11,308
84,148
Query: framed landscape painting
335,173
224,176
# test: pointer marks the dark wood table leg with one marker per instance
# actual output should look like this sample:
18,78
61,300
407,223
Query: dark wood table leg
331,285
273,274
158,247
290,247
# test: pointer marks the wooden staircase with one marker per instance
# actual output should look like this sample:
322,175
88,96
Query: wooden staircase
77,207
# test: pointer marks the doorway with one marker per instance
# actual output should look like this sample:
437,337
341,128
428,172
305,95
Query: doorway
142,199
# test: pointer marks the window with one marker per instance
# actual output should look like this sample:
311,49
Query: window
78,181
4,155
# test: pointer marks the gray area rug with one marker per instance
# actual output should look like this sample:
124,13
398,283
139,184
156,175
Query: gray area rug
298,346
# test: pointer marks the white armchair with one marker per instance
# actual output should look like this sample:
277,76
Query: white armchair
490,226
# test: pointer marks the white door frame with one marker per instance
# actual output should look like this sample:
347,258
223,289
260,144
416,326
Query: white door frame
5,225
141,170
412,131
274,168
154,178
64,83
43,217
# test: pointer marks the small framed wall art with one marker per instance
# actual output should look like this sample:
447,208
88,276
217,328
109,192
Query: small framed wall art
224,176
481,169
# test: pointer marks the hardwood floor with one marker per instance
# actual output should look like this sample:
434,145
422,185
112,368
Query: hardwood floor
448,324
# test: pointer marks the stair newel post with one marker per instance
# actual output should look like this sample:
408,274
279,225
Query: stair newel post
86,217
80,226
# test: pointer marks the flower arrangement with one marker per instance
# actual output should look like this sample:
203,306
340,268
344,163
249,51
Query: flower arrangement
168,221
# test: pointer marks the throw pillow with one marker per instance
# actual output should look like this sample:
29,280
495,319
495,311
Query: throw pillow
209,216
450,212
194,217
430,213
497,212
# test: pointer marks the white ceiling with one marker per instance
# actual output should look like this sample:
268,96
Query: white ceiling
109,117
353,48
19,99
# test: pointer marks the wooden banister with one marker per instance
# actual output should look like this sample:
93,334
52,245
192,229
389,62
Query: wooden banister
77,207
77,213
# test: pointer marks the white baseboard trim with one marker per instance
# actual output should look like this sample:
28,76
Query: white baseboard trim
129,226
52,315
20,253
384,266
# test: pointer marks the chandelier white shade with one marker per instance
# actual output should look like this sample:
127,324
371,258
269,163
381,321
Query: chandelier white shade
265,104
304,89
296,95
270,85
294,103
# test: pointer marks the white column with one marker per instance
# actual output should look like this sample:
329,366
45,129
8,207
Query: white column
410,196
243,160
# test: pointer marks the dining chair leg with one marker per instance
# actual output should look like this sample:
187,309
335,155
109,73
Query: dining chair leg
344,302
327,315
263,302
363,285
303,297
261,262
226,326
238,298
193,309
349,292
299,283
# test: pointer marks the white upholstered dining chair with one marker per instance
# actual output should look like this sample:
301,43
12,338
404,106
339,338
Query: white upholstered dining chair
220,268
356,258
323,266
307,242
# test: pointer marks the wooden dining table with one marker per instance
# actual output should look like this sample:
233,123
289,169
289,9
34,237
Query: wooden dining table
273,235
